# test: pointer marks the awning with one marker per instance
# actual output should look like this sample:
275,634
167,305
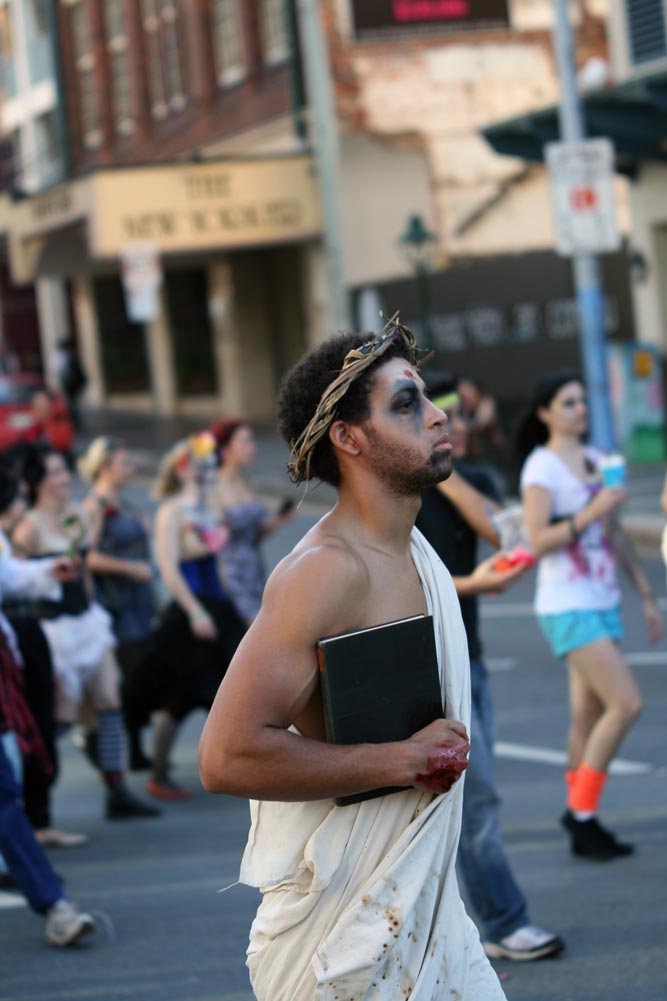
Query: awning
210,207
633,115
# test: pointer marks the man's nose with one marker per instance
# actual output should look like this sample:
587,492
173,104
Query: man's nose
435,415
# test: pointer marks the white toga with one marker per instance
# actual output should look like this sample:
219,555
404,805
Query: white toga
361,903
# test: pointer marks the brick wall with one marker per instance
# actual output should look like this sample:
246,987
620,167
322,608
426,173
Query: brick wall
211,113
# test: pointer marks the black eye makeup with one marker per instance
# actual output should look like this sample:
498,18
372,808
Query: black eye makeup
572,402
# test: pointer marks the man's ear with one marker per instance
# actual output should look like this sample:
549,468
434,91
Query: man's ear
344,436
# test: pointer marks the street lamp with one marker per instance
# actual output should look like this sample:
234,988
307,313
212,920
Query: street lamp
418,247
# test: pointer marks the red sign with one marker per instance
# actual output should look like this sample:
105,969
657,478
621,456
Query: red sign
583,199
430,10
381,17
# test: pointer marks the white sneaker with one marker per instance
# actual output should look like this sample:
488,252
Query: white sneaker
527,942
66,924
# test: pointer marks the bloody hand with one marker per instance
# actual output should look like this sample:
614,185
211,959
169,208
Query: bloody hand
445,766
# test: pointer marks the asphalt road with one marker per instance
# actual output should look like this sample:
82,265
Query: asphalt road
167,933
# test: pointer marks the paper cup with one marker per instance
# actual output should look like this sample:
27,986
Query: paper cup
612,470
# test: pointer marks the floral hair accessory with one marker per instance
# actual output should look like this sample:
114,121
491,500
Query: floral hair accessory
202,445
355,362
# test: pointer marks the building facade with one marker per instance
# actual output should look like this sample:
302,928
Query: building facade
180,136
415,83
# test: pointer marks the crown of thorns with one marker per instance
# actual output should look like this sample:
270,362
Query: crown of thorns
355,362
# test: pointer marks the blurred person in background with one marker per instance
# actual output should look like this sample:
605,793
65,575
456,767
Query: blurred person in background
27,861
201,628
21,582
453,515
72,377
487,440
663,505
573,527
119,559
78,630
246,517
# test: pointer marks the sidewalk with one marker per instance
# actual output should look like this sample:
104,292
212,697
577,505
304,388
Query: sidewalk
149,437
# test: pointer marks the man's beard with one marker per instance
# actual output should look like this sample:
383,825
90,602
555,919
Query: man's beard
404,470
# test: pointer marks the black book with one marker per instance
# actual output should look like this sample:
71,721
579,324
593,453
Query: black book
379,685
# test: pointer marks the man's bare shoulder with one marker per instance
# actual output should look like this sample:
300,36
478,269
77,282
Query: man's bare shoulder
323,575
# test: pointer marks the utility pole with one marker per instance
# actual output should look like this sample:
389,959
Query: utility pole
322,105
586,267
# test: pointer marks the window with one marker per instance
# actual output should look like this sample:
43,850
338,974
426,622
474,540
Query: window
16,158
119,67
7,72
47,148
40,55
166,76
84,60
275,31
39,18
228,42
646,30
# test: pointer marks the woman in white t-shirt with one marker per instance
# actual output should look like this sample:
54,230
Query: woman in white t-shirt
573,530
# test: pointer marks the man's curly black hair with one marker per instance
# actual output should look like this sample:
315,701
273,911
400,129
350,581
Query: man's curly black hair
302,387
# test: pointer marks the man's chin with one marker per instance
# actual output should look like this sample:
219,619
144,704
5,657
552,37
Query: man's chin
442,467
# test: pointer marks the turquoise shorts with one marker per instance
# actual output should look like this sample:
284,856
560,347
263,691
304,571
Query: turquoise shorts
568,631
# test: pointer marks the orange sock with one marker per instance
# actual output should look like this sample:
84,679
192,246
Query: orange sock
586,789
569,778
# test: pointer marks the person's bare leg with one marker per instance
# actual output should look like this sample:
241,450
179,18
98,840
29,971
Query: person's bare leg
599,674
585,711
165,729
603,670
104,692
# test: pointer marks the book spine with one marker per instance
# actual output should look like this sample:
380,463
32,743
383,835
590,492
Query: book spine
326,704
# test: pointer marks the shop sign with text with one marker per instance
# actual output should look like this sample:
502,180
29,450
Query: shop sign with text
382,17
205,206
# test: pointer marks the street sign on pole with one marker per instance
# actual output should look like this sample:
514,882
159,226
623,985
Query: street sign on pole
582,176
142,274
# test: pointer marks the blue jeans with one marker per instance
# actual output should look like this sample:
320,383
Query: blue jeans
25,857
497,899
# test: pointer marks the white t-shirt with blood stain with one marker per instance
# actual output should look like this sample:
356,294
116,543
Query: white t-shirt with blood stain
581,576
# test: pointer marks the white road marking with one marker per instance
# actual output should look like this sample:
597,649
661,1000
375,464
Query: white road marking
638,658
548,756
8,900
518,609
501,663
647,658
506,609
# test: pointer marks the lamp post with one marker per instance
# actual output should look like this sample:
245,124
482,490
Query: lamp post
418,246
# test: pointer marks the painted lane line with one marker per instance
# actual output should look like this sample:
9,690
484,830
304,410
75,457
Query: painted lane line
501,663
548,756
9,900
519,609
639,658
647,658
506,609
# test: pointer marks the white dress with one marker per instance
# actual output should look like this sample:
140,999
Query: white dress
362,901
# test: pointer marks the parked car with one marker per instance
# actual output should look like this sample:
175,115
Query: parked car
31,412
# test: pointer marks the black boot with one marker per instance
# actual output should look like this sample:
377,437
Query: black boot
591,840
138,760
124,805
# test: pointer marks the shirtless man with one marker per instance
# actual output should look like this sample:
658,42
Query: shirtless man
362,900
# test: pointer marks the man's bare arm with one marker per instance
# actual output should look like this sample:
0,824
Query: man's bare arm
246,748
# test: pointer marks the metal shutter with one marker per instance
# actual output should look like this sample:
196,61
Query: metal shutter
646,30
